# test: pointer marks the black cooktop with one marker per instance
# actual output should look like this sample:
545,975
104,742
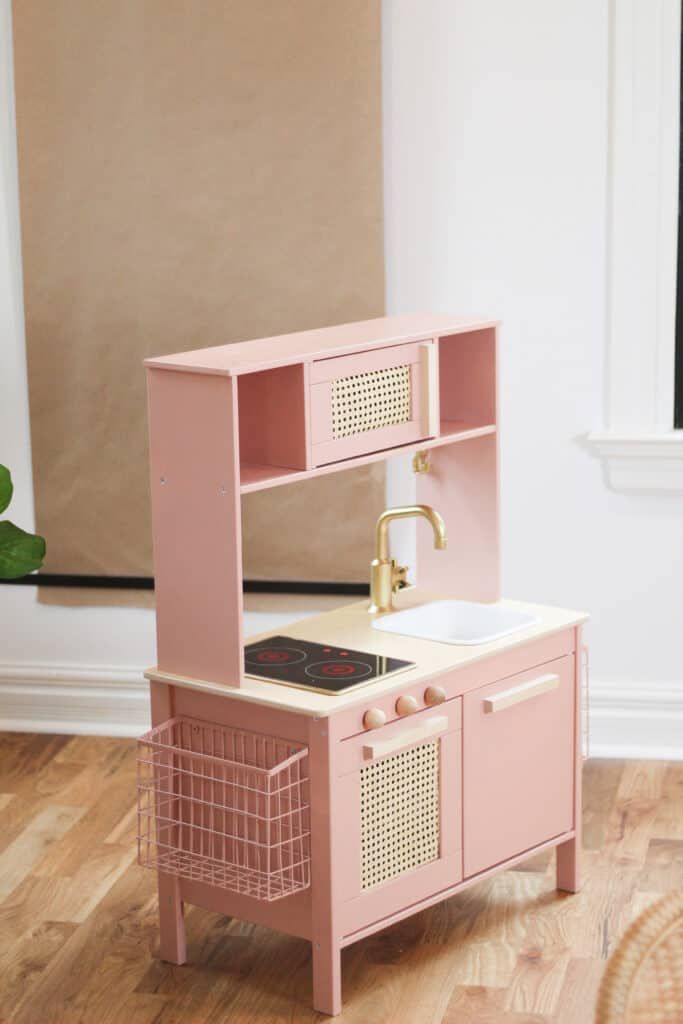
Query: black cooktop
311,666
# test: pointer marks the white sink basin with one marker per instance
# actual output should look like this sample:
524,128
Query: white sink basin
456,622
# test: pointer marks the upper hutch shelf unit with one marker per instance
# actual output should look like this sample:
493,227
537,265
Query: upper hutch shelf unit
232,419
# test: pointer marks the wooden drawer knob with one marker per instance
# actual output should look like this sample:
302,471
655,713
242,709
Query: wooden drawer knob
406,706
375,718
434,695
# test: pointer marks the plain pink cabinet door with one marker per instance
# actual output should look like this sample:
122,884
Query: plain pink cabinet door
518,763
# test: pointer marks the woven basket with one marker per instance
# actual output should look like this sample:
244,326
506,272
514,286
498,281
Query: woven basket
643,983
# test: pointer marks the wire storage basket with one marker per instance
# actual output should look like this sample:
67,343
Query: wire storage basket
224,806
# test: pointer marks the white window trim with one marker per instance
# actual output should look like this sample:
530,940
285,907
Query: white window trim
640,448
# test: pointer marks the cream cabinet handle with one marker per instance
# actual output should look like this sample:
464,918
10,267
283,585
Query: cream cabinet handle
406,738
517,694
430,390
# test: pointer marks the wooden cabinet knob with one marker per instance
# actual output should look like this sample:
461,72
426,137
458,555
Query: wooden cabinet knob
434,695
375,718
406,706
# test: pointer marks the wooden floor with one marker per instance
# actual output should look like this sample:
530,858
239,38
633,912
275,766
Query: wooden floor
78,917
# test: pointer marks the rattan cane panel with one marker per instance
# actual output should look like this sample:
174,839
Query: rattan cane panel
400,816
369,401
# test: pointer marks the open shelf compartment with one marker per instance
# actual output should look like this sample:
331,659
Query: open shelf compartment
465,408
257,478
467,379
273,430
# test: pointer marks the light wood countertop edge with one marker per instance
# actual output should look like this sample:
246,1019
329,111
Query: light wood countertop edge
350,626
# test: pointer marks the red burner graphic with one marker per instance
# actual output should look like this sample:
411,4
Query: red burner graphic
334,669
275,656
338,670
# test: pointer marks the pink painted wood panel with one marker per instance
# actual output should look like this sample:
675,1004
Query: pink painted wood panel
172,941
518,768
515,659
291,915
463,486
321,343
327,855
383,439
162,701
352,755
467,376
443,894
211,707
306,367
272,417
411,888
196,525
323,370
464,481
569,854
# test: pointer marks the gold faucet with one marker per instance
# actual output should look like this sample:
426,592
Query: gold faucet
385,576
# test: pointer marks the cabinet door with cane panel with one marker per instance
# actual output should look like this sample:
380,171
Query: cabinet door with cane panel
400,794
373,400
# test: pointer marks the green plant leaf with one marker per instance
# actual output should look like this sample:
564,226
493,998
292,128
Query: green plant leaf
20,552
6,488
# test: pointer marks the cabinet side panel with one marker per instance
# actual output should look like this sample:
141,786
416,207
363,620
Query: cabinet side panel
569,854
462,485
240,714
196,525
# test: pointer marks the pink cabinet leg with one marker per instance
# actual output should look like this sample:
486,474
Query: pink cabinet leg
326,979
568,873
569,853
171,924
325,857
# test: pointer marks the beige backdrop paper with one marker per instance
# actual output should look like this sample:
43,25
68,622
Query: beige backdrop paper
191,174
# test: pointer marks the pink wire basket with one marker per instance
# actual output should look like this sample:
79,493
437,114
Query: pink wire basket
224,806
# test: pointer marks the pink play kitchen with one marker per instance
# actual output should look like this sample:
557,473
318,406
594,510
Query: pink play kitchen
340,773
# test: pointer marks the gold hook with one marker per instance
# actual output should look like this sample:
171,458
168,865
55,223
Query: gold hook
421,462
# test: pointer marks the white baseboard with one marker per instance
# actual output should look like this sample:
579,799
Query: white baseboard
636,720
86,700
627,720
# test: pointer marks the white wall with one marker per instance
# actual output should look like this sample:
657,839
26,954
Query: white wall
495,154
496,158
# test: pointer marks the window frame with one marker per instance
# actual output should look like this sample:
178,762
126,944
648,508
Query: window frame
640,447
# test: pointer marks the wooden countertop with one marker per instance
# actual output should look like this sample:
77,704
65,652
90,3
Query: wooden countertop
351,626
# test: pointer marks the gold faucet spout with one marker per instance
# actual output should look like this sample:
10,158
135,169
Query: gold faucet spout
407,512
385,576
